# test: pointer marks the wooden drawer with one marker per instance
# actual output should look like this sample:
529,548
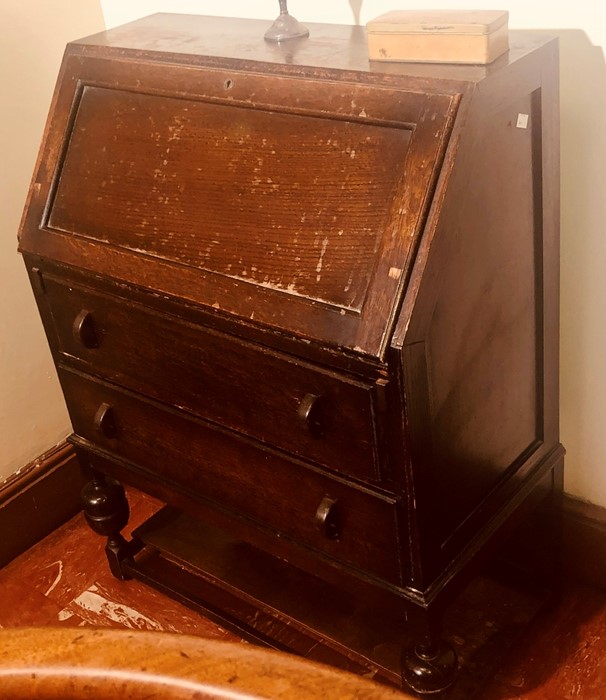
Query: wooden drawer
312,413
359,526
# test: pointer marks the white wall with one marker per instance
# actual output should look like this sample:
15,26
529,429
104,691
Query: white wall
583,14
33,34
581,26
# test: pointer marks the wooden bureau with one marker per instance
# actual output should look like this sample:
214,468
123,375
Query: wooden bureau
311,303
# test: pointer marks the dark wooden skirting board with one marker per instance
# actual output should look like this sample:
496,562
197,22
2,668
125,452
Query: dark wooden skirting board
39,498
584,542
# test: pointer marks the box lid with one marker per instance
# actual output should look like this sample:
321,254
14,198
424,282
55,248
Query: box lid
472,22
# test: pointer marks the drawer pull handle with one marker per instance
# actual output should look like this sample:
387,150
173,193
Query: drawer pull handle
105,421
327,518
311,412
84,329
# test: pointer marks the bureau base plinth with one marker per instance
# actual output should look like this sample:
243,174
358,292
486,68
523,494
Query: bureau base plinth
269,602
263,599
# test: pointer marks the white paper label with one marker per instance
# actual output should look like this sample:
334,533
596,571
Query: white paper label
522,122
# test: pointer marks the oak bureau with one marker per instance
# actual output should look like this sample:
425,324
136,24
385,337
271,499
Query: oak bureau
310,303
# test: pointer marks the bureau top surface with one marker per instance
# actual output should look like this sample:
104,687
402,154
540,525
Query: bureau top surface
330,46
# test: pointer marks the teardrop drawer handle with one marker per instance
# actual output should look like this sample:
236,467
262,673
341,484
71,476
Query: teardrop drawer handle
105,421
311,412
84,329
327,518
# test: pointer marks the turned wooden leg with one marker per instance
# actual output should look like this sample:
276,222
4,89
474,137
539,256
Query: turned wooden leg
106,511
429,665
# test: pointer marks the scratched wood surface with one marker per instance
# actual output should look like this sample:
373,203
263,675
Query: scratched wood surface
295,204
63,581
292,202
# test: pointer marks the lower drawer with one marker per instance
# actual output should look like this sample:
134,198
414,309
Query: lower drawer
348,523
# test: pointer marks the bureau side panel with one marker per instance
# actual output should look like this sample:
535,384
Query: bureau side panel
480,352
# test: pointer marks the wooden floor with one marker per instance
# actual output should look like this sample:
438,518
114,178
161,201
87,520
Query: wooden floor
509,647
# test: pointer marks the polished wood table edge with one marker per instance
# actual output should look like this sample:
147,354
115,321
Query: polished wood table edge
92,663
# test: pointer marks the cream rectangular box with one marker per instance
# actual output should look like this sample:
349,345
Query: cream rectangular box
439,36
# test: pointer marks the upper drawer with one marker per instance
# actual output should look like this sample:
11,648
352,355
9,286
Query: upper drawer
316,414
299,201
351,524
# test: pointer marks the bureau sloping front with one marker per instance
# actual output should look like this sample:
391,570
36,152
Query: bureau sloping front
294,204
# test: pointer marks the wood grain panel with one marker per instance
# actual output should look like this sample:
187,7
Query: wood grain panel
291,202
